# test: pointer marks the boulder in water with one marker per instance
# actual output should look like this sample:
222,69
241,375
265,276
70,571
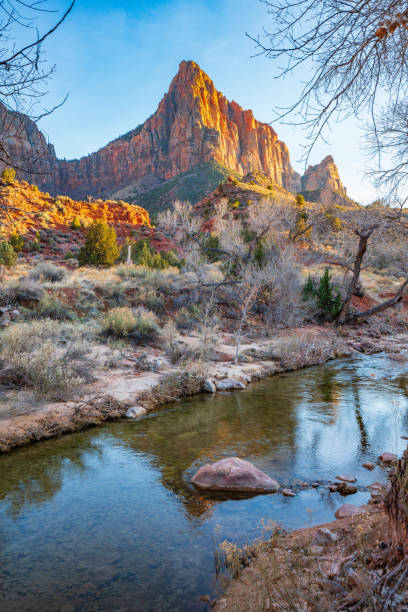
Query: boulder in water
234,474
230,384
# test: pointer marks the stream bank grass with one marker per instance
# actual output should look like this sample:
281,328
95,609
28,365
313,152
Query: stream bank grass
186,380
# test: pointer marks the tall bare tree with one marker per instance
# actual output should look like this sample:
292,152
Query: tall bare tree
24,75
350,55
24,72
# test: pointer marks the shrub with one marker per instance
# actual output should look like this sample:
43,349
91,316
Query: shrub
309,289
147,326
211,246
119,322
101,247
176,350
69,255
47,272
186,380
35,244
75,223
8,175
300,200
8,256
17,242
143,254
328,300
52,308
32,354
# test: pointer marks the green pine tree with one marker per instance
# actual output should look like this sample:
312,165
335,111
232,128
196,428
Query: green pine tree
328,300
309,289
8,256
101,247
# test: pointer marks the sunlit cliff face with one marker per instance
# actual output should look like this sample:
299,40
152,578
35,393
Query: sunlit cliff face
194,123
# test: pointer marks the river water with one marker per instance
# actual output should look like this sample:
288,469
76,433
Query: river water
107,520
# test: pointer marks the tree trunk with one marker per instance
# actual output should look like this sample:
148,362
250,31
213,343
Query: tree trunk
380,307
345,308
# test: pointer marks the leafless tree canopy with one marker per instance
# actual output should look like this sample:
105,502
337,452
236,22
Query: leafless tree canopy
24,72
353,52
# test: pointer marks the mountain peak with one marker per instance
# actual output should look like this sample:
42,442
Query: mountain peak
194,124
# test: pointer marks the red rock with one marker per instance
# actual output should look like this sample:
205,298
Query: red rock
234,474
194,123
288,493
324,176
369,465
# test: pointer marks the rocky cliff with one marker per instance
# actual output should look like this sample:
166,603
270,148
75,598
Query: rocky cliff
323,176
194,123
196,134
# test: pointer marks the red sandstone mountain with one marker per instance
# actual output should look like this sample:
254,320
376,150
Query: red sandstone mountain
195,132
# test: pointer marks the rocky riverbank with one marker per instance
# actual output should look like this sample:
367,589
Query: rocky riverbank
343,565
127,390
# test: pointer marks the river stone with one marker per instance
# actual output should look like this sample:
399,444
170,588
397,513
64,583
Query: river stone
347,510
324,536
369,465
229,384
288,493
135,412
234,474
376,486
346,478
345,488
388,458
208,386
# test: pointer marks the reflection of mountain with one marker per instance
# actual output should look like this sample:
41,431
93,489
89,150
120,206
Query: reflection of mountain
35,474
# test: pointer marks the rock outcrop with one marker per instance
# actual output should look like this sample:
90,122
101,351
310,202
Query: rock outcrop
323,176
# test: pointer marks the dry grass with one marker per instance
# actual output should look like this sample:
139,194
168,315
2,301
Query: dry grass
184,381
289,573
47,356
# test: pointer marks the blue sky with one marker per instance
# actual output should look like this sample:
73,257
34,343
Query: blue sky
116,60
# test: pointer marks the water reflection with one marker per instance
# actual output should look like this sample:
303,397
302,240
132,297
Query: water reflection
107,518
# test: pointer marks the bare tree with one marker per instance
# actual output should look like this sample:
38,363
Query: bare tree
361,230
352,53
387,142
250,249
24,74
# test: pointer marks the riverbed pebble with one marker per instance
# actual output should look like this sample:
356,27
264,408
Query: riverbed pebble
346,478
209,387
230,384
324,536
388,458
347,510
345,488
368,465
288,493
136,412
234,474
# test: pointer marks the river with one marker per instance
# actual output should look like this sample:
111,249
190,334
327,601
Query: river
107,520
